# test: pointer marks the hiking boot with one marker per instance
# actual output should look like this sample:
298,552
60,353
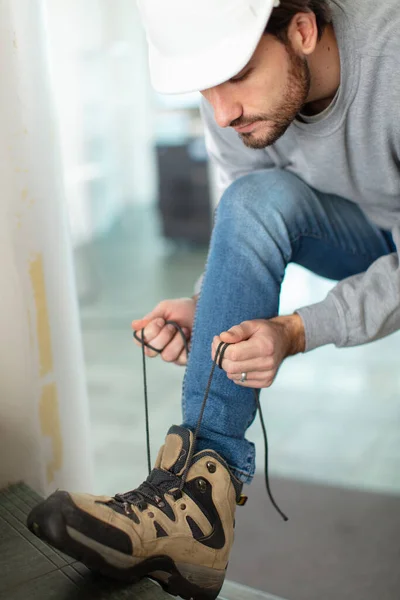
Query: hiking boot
176,528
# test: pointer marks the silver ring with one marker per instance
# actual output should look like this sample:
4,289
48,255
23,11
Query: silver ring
243,377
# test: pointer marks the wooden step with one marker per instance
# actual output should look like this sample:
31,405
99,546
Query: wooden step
30,569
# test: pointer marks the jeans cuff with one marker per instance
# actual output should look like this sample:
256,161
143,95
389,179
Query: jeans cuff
243,476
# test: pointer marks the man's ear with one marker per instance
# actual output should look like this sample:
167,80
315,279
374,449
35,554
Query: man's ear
303,33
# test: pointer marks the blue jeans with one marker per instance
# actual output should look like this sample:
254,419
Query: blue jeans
264,221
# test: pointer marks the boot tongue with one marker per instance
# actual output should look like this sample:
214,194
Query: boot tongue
176,449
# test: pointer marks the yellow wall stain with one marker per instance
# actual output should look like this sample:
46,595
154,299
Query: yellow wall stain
49,414
42,316
24,195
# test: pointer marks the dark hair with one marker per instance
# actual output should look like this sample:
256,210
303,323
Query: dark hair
282,16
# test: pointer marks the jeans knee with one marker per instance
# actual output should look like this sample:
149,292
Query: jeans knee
271,197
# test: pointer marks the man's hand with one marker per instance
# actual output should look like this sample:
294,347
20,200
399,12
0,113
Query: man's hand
166,337
259,348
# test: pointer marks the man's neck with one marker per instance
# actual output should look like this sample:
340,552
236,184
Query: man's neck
324,66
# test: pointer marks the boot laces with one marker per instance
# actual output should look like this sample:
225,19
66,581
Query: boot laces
219,356
152,491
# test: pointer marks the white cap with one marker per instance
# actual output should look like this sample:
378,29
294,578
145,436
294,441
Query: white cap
198,44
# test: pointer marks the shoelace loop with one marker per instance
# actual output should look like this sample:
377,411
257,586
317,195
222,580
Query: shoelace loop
219,356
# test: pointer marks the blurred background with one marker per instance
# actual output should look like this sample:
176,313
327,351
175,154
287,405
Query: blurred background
140,200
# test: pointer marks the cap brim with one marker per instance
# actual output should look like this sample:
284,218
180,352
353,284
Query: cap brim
213,66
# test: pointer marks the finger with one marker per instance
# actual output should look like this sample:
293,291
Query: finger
140,323
173,349
182,359
254,380
150,335
139,334
157,312
260,364
239,333
215,343
249,350
251,376
164,337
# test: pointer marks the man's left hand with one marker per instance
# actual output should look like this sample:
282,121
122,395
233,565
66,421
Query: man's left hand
259,347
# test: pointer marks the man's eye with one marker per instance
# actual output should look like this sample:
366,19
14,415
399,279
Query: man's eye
241,78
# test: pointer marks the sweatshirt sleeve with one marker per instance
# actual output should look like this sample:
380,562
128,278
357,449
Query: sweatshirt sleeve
360,309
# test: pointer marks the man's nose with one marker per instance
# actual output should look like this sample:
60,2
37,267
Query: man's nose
226,108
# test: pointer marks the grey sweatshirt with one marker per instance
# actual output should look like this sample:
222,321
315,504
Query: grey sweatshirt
352,151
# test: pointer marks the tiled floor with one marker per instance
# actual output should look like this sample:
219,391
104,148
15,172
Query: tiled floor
333,416
47,574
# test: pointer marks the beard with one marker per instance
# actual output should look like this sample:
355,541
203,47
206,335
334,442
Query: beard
295,97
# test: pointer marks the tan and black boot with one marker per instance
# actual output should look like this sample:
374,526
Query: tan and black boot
176,528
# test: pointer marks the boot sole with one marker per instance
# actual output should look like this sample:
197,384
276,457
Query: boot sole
191,582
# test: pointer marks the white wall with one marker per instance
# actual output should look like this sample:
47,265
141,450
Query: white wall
99,66
44,425
133,100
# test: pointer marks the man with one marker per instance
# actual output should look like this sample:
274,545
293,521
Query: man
301,110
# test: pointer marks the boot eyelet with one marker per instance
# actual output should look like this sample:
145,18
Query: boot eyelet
201,485
212,467
183,506
151,515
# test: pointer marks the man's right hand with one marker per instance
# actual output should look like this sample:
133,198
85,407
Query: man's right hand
166,337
